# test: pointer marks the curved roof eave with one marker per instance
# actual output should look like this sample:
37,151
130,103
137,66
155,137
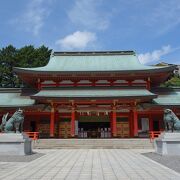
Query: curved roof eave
39,70
16,106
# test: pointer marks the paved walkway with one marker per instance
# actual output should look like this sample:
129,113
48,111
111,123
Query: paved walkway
87,164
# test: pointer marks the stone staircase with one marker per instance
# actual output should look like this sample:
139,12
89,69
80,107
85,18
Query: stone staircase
92,144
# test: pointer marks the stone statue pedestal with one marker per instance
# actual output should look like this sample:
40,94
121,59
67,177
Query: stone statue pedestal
15,144
168,143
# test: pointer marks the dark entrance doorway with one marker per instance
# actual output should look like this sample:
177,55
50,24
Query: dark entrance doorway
156,126
94,127
33,126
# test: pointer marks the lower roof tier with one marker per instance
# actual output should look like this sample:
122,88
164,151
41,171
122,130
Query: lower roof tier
13,98
167,97
94,94
161,97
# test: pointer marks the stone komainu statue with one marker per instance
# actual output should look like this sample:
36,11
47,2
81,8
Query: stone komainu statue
13,123
171,121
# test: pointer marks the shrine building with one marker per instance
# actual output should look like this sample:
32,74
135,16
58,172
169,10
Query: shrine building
92,95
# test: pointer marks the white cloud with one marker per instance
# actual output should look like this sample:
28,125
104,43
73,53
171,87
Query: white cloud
33,17
77,40
155,55
87,13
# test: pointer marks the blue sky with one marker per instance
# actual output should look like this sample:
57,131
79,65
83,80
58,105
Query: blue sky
150,27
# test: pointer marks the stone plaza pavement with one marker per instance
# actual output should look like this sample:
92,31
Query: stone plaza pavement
87,164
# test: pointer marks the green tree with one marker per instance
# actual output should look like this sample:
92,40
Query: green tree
7,62
28,56
25,57
173,82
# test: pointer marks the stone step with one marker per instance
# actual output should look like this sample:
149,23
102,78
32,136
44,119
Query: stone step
39,144
93,147
92,143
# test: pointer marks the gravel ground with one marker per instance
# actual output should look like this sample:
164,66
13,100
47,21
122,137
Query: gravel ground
172,162
18,158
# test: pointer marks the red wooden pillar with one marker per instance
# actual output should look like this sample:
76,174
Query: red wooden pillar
111,83
52,121
39,84
57,83
73,122
129,83
148,83
93,83
114,126
135,122
75,83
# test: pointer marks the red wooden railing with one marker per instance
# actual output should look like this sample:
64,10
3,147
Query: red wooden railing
154,134
33,135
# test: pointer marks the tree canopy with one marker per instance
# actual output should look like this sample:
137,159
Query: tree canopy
27,56
173,82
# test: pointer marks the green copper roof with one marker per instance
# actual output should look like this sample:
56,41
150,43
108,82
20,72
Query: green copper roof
13,99
94,93
93,61
168,98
